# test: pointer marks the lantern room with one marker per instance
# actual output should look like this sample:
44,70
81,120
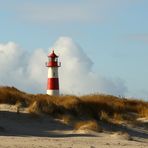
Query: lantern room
53,60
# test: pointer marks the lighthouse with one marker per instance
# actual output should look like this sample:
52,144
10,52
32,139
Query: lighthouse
53,80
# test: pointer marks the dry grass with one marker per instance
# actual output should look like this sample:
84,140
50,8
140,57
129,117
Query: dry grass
88,125
104,116
66,119
143,111
94,107
117,118
11,95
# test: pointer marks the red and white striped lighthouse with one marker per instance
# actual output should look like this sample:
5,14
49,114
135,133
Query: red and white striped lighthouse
53,80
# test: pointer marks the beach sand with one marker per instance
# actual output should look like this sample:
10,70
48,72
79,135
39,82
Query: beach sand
26,131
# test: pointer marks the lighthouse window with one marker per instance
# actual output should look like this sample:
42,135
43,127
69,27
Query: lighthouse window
56,59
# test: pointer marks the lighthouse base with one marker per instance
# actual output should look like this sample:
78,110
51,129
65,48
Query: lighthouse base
53,92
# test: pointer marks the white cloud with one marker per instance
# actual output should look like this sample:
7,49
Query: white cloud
20,69
10,54
36,66
76,75
28,72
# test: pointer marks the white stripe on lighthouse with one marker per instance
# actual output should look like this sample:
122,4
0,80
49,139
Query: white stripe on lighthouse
53,72
53,92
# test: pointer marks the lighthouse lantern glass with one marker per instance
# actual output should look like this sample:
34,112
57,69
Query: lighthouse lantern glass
56,59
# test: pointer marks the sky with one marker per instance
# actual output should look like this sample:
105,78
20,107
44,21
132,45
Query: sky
102,44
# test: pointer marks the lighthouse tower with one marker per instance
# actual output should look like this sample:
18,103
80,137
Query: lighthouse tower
53,80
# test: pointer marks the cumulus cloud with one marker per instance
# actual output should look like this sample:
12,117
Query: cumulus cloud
19,69
28,71
10,55
76,75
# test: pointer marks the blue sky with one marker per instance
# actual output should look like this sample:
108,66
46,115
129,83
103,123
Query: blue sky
113,33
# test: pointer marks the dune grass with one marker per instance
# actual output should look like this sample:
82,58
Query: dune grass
95,107
88,125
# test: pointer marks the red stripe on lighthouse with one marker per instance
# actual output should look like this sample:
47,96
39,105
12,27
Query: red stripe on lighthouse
53,83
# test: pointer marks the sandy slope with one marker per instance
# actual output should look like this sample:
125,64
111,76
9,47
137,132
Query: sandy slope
23,130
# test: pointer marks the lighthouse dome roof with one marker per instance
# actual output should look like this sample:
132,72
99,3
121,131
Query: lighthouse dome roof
52,55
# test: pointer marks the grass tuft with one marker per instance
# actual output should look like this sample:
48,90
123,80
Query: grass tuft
94,107
88,125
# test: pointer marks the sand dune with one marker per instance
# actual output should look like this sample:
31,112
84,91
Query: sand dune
23,130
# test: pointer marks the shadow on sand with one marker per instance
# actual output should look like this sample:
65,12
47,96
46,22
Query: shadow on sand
23,124
139,131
